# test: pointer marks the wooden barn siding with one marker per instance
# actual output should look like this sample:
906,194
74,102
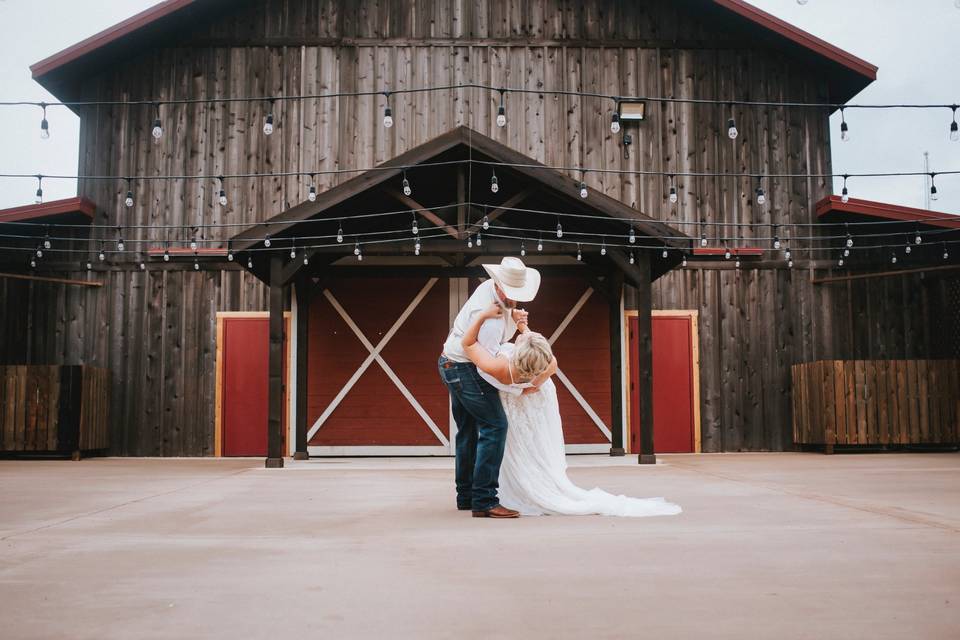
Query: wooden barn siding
154,330
292,47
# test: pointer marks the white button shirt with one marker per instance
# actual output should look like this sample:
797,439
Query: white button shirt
493,333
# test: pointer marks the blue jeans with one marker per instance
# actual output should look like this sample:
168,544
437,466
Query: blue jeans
481,434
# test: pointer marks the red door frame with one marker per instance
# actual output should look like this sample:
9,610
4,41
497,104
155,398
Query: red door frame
633,397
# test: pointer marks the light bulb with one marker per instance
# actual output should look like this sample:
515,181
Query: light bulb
340,234
737,263
583,190
846,252
703,239
486,223
684,261
844,132
615,123
143,266
266,241
387,117
732,129
249,262
157,129
416,248
849,240
196,266
469,242
356,249
479,240
523,250
579,255
193,244
540,246
844,195
312,194
761,196
501,116
46,242
39,252
787,254
933,192
120,245
39,197
726,254
89,266
223,198
632,259
946,254
33,263
129,199
293,253
360,257
840,262
268,124
673,195
907,249
559,230
102,256
494,184
44,129
230,255
664,254
306,259
893,258
954,131
632,237
789,264
918,239
776,243
166,255
415,229
603,250
406,187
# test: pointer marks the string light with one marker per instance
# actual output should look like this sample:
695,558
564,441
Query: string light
44,125
306,258
102,255
776,238
893,258
356,249
732,131
933,187
673,191
39,251
523,249
846,252
414,228
840,261
193,241
479,239
39,197
340,233
312,192
196,264
249,262
632,259
665,254
143,265
540,243
603,250
293,249
166,253
917,239
579,255
120,244
469,242
33,262
266,240
128,201
632,238
46,239
559,229
407,191
907,248
157,130
223,193
849,237
387,113
416,247
486,223
89,265
844,193
268,123
703,238
684,263
946,254
583,185
726,252
230,250
954,128
844,129
761,196
494,184
502,111
615,119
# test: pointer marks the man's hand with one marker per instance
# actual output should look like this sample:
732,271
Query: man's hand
493,311
520,317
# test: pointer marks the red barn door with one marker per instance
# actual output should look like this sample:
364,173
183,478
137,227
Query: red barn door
675,396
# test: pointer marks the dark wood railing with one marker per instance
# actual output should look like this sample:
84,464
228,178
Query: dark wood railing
876,402
54,409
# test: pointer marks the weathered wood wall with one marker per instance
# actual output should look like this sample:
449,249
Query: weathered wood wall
155,330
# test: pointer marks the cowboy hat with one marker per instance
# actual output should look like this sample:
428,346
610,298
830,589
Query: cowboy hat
518,281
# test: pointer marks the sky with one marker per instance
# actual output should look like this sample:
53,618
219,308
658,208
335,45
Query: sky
914,42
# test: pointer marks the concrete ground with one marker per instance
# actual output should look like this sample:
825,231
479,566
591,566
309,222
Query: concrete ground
769,546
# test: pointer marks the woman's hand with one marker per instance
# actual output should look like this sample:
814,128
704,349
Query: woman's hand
493,311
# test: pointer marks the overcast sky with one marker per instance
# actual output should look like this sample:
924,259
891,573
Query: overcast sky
916,44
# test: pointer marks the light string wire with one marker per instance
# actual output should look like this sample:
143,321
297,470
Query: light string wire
386,93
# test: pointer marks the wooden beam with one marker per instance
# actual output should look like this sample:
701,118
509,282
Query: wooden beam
884,274
644,362
462,202
79,283
304,291
615,293
508,204
275,367
423,211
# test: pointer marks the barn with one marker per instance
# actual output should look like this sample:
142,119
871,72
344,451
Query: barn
291,264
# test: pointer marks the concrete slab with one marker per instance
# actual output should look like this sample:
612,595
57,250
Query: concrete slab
769,546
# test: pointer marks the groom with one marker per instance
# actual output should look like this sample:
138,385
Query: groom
481,423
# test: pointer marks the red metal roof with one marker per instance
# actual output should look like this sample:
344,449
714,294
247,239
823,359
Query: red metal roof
169,8
882,210
37,212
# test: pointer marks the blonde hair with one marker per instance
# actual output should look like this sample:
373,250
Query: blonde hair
532,356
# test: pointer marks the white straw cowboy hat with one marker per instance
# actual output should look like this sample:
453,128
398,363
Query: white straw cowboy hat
517,280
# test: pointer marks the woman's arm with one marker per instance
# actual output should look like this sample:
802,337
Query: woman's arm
496,367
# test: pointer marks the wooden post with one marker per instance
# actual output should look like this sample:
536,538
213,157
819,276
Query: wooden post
645,360
303,291
615,295
275,374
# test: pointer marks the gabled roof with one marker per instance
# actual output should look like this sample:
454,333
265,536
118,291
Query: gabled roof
846,74
552,180
834,208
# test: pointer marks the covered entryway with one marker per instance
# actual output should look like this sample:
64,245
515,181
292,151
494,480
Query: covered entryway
377,267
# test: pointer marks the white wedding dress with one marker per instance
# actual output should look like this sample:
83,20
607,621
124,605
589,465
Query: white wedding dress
533,475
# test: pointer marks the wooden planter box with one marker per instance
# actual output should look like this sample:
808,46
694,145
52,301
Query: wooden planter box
54,409
876,402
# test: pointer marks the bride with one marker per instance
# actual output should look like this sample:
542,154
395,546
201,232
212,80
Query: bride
533,475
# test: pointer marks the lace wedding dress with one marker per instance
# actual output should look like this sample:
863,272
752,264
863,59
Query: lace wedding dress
533,476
